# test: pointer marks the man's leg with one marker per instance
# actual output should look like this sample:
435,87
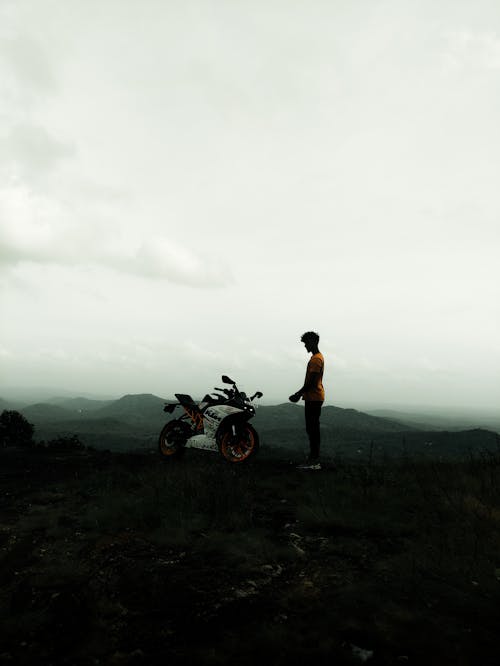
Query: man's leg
312,414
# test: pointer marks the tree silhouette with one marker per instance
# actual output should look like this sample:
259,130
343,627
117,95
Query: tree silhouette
15,429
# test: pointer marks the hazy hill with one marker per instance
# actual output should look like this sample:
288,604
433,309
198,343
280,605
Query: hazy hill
80,404
11,404
5,404
445,420
350,433
129,409
131,422
141,407
46,413
31,395
288,415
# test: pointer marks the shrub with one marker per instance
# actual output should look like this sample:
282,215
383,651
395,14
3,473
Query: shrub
65,443
15,429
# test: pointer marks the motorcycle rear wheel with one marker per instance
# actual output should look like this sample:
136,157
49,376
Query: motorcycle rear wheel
173,438
239,447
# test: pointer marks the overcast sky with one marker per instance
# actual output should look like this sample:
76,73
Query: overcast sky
186,187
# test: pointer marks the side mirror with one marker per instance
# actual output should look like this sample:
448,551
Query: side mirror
227,380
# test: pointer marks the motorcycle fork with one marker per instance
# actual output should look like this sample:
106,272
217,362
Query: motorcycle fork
237,427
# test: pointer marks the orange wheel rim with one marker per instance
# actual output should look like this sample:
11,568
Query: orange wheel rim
166,449
238,450
169,448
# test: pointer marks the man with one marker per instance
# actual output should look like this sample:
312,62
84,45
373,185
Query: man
313,395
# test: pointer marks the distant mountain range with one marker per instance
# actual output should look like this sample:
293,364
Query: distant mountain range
147,408
292,415
453,420
129,408
81,404
134,421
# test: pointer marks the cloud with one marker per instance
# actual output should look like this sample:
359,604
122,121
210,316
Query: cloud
465,48
26,66
197,353
29,151
160,257
428,365
5,353
29,226
40,230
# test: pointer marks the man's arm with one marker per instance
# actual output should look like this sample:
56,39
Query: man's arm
313,380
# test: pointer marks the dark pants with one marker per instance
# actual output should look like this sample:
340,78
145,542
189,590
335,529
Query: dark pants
312,414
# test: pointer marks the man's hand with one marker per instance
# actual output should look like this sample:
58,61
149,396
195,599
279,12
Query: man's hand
295,397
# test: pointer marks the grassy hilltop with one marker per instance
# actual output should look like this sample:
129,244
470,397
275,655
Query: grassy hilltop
119,559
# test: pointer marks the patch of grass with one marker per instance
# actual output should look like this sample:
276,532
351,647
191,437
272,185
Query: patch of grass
432,520
459,518
167,497
242,551
351,501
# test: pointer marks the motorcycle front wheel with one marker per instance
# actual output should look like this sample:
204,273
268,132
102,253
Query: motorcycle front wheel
173,438
241,446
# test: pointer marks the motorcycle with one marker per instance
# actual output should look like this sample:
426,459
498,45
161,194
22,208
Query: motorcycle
218,423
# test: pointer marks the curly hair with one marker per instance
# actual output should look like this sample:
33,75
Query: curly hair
310,335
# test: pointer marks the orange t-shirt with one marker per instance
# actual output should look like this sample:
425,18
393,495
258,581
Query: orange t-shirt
316,364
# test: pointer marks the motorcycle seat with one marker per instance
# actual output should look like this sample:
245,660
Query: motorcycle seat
185,399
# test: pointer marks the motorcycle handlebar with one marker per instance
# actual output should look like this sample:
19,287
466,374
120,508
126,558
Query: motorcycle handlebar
235,392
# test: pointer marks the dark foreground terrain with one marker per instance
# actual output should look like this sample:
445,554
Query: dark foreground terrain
122,559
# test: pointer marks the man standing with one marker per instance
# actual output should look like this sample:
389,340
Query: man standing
313,395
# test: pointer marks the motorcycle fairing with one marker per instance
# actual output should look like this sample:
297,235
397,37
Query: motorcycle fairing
202,441
214,415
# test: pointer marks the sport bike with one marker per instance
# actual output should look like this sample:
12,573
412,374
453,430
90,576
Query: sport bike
218,423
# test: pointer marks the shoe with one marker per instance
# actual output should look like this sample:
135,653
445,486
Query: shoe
309,465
